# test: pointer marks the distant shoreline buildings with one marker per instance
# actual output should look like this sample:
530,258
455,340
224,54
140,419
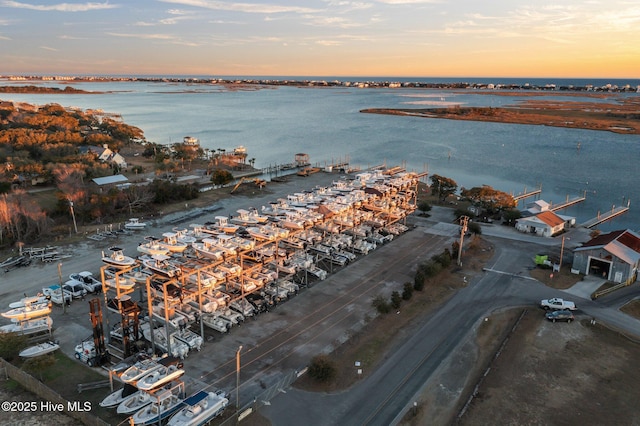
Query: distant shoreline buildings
338,83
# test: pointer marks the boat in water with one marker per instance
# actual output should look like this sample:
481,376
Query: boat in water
199,409
39,349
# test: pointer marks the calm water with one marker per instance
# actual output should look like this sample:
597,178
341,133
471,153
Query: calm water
275,123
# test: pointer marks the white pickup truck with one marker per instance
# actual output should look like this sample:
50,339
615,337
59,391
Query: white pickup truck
556,303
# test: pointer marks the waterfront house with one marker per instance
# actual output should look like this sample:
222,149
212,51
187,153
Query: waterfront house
545,224
614,256
105,154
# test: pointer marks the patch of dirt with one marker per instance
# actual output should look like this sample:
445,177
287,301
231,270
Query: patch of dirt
560,374
559,280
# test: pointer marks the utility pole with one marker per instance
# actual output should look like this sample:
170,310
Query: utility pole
561,253
238,378
73,215
464,221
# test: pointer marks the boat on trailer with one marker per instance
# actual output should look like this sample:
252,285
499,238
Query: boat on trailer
199,409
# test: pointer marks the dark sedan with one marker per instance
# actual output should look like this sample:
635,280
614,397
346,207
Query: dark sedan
563,315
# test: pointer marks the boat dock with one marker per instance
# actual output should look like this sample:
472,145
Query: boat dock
525,194
600,218
567,203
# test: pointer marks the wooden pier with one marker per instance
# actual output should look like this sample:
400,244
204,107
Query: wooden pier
567,203
525,194
615,211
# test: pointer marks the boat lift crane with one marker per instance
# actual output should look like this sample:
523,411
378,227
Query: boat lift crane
260,183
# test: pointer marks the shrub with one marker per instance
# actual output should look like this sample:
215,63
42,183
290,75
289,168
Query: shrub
407,291
322,368
381,305
418,281
396,300
475,228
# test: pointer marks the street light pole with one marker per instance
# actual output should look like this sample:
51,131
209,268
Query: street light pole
238,378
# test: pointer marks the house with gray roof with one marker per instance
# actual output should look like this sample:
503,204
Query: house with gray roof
614,256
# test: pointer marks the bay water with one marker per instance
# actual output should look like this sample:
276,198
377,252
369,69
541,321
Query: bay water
275,123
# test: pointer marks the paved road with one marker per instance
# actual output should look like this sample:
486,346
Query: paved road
384,396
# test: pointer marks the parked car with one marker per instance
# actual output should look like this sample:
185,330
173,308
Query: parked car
91,284
562,315
558,304
75,289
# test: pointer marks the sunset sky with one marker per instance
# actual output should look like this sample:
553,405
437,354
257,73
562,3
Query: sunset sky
403,38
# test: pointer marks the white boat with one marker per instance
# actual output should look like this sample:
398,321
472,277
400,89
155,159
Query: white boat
138,370
28,300
27,327
152,246
244,218
163,407
117,258
29,311
54,293
122,283
191,339
134,402
216,323
178,348
159,377
171,243
135,224
90,283
39,349
185,236
224,225
115,398
199,409
160,264
209,248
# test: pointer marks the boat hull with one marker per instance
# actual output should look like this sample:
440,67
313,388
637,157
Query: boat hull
40,349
